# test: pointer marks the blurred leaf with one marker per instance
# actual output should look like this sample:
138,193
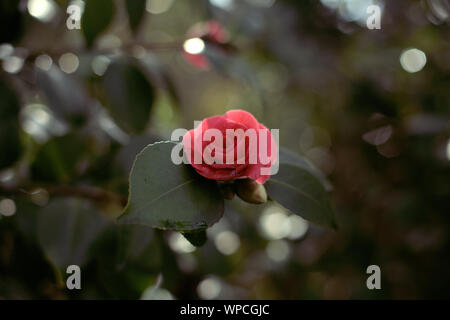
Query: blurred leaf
196,238
160,76
136,11
289,157
232,65
66,229
302,193
126,260
168,196
125,157
59,158
10,146
97,16
130,96
65,95
9,103
11,21
134,239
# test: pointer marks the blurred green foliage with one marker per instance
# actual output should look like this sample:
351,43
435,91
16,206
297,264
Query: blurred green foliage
70,129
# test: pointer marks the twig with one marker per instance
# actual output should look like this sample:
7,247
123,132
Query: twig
86,192
175,45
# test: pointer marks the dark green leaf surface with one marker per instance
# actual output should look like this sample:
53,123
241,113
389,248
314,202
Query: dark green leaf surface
97,16
57,160
133,242
136,12
302,193
168,196
130,96
289,157
66,228
160,76
65,95
11,21
9,103
196,238
10,146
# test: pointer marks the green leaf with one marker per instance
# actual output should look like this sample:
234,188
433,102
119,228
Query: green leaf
10,145
59,158
125,157
9,103
168,196
97,16
11,21
65,95
130,96
302,193
133,242
289,157
136,11
66,228
160,76
196,238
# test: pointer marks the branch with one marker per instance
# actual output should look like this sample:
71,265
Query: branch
175,45
86,192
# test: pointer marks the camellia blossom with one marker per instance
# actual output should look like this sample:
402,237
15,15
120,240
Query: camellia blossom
232,146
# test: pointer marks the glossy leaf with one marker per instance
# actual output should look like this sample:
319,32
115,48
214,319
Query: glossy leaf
130,96
168,196
96,18
302,193
289,157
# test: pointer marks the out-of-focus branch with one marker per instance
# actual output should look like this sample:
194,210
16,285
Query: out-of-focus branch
126,47
86,192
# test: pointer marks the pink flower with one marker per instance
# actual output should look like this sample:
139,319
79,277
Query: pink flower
232,146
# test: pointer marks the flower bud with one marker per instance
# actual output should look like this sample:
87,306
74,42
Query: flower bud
251,191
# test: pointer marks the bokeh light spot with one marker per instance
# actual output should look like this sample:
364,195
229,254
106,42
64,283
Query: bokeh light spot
275,223
299,227
278,250
158,6
43,10
7,207
194,46
43,62
179,244
13,64
209,288
413,60
99,65
69,62
227,242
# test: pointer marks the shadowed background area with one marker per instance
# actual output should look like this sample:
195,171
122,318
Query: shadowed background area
369,108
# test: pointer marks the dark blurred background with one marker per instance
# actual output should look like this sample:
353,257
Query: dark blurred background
370,108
